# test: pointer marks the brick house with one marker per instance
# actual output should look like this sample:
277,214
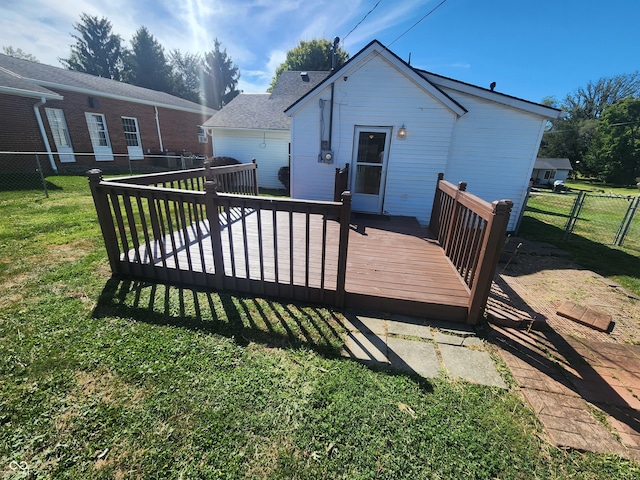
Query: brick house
77,121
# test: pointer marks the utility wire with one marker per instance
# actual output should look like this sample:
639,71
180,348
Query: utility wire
413,26
363,19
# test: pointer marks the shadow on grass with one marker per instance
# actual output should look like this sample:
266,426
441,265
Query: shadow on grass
24,181
603,259
245,319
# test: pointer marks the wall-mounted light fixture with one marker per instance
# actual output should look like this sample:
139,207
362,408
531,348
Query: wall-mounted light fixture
402,133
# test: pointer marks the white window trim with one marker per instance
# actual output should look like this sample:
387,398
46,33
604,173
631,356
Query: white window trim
102,153
65,152
135,153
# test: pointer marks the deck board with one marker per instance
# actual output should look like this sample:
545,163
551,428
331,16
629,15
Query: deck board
392,264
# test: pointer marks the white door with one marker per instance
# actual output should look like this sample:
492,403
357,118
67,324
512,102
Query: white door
60,134
99,136
370,156
132,135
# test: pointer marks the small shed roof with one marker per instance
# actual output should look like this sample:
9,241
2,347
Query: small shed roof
46,77
552,164
265,111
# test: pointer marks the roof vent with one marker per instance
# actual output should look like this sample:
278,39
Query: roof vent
304,76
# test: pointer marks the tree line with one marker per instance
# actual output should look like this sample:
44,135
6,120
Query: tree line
210,79
599,132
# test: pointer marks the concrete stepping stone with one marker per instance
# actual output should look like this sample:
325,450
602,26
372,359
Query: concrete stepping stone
413,356
471,365
365,347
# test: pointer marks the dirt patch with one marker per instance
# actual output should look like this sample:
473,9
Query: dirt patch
542,278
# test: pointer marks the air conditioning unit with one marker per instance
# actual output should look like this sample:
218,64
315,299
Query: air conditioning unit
202,135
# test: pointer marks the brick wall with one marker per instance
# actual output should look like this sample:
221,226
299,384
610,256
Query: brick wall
19,130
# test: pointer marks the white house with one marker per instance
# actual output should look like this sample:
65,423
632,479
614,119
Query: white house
398,127
548,170
255,125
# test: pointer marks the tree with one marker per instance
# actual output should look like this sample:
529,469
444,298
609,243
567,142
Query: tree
97,51
220,78
146,64
19,53
576,135
617,149
313,55
187,75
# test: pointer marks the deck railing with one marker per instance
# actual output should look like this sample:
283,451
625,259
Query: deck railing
164,228
471,232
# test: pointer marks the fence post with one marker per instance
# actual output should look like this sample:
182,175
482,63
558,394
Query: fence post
213,217
256,191
626,221
488,259
42,179
345,217
434,221
103,210
573,216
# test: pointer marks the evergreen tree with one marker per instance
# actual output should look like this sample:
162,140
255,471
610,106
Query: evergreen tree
220,78
97,51
146,64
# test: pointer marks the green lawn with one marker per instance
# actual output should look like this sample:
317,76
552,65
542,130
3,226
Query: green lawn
103,378
600,187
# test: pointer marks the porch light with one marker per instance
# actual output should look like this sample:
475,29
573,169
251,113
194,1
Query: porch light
402,133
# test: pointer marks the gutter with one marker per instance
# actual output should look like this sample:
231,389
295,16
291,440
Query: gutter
36,110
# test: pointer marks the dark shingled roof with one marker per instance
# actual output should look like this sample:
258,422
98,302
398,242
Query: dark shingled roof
16,85
264,111
48,77
552,164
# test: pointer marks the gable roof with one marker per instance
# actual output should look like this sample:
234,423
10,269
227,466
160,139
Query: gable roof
40,78
264,111
375,47
552,164
436,85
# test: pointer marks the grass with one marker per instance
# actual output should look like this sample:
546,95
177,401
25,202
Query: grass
591,244
105,378
600,187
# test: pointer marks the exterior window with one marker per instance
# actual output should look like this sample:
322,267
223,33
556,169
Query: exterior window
60,134
132,136
546,174
99,136
202,135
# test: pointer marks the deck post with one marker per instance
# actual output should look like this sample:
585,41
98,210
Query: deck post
434,221
488,259
213,217
254,177
345,218
101,202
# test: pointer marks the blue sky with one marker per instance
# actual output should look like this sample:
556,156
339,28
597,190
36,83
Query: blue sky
531,49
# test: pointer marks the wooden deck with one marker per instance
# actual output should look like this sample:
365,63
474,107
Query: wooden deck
393,264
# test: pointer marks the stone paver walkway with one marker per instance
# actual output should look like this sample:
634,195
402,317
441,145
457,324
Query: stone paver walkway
583,384
424,347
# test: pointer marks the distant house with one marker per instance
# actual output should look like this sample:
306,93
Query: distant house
399,126
548,170
255,125
66,115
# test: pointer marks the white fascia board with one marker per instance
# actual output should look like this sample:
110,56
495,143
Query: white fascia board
211,129
98,93
19,92
503,99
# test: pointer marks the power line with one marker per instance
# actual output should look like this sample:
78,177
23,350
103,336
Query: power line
413,26
363,19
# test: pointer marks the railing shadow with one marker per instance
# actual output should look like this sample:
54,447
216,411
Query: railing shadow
245,319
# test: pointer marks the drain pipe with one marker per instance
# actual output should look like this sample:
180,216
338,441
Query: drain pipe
158,127
36,110
334,64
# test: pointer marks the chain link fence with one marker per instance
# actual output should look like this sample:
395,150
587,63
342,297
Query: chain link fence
20,171
581,216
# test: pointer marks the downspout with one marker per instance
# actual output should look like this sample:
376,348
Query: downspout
158,127
334,64
36,110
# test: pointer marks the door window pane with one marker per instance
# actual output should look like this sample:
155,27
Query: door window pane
368,179
371,147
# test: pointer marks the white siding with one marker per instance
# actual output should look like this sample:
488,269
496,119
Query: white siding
376,94
494,149
244,145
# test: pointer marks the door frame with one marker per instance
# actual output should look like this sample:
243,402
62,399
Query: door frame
363,202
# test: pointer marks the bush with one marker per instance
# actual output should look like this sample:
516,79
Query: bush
222,161
284,175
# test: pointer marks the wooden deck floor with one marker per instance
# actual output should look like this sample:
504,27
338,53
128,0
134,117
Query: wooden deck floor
392,264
